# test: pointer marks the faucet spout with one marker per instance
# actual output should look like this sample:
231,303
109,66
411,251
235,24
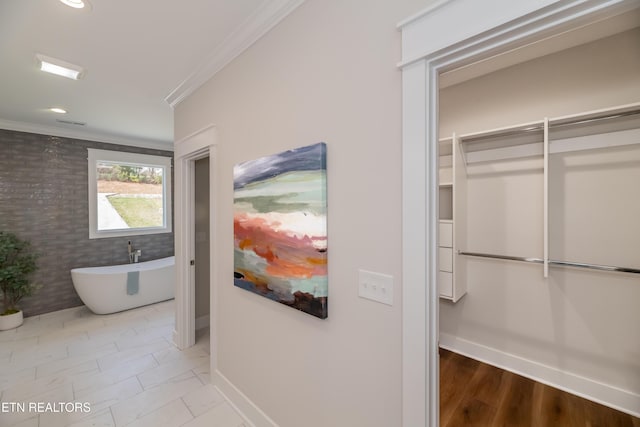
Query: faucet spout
131,252
134,254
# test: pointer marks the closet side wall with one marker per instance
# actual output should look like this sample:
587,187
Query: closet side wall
202,244
577,322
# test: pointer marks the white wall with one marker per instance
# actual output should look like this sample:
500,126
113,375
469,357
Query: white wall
579,322
588,77
326,73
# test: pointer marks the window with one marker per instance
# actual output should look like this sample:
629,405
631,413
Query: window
129,194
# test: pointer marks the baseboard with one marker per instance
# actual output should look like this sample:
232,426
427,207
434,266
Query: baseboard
252,414
202,322
622,400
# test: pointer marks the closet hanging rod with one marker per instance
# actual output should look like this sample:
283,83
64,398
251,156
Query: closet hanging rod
555,262
505,257
595,266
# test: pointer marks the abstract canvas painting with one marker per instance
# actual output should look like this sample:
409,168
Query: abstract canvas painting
280,228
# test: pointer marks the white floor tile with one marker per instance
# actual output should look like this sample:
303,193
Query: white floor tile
60,394
31,422
18,344
113,394
99,401
129,317
84,323
173,414
63,336
85,384
89,347
33,327
139,340
34,356
152,399
124,365
110,334
23,389
171,354
17,418
61,365
66,315
8,336
203,399
123,357
203,372
102,419
161,374
222,415
64,419
11,378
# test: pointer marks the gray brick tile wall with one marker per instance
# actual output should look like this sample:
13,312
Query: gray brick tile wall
44,199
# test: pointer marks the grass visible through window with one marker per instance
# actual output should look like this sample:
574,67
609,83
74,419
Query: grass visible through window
138,211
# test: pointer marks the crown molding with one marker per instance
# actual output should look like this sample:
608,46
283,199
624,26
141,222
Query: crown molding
267,16
421,14
84,135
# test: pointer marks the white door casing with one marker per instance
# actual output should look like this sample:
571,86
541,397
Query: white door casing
187,150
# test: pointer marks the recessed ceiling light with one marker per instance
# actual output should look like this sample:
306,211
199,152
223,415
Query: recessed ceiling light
58,110
78,4
59,67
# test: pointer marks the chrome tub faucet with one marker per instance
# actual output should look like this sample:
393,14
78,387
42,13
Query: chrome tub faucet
134,254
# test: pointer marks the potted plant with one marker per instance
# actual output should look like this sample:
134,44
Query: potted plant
17,262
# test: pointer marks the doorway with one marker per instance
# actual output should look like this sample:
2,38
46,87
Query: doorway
518,316
188,152
447,36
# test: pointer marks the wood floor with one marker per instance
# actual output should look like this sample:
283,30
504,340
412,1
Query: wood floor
473,393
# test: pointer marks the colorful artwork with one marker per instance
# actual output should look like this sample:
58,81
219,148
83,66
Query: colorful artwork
280,228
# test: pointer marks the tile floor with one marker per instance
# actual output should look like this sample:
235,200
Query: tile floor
122,366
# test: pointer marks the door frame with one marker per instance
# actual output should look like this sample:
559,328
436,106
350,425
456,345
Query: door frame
198,145
448,35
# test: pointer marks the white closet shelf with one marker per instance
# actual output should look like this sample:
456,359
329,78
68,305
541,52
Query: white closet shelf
522,140
502,131
566,133
590,116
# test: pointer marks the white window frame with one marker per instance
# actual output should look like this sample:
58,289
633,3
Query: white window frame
130,159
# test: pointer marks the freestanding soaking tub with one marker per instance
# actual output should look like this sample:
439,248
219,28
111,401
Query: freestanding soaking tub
121,287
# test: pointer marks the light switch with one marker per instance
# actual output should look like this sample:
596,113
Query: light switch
375,286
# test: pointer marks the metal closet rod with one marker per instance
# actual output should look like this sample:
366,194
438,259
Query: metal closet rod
554,262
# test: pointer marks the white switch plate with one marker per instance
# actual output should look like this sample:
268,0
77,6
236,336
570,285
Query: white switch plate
375,286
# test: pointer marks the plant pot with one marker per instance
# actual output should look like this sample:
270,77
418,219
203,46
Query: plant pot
10,321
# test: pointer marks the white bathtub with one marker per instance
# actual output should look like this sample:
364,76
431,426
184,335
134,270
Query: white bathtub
104,289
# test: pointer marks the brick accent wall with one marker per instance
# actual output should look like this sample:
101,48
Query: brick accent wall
44,199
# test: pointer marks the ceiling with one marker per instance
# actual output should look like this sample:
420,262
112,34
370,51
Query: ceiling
143,57
140,58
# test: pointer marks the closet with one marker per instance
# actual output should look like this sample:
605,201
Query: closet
559,192
539,168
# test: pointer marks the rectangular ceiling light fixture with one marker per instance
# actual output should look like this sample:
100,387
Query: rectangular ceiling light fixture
59,67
